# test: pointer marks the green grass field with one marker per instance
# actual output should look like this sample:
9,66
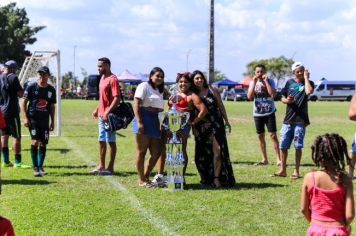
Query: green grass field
69,201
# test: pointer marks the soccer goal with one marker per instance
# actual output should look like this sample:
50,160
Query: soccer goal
28,74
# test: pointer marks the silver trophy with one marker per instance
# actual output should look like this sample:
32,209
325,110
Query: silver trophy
174,121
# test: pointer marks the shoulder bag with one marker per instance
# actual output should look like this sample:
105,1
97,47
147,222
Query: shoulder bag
120,117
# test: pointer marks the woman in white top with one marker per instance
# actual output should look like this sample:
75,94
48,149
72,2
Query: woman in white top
148,102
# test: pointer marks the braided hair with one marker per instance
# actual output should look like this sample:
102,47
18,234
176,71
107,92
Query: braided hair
329,152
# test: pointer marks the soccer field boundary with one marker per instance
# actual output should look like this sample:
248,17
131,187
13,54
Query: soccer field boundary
155,220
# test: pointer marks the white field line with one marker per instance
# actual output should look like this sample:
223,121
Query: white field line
156,221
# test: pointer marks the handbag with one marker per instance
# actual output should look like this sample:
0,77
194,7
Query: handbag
120,117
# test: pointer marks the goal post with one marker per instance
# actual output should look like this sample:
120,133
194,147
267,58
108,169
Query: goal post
28,74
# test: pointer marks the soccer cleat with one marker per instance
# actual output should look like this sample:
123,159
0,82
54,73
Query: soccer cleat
7,164
22,166
42,171
36,172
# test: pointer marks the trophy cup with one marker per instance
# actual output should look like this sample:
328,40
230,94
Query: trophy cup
175,120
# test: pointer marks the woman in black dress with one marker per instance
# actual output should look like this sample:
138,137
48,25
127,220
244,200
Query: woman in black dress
211,150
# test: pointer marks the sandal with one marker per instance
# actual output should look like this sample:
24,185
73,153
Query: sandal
95,171
147,184
295,176
278,175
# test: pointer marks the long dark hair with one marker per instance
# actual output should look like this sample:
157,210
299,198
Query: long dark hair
193,86
329,151
161,86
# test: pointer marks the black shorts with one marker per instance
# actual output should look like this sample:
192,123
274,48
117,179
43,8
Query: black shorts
269,121
13,127
39,132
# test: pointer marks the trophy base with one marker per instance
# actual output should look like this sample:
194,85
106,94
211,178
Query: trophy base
175,186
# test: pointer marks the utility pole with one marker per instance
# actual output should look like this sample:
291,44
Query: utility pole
75,80
187,68
211,43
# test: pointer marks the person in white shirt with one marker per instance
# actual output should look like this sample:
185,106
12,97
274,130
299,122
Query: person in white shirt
148,102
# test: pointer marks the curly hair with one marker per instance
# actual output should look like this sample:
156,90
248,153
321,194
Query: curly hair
329,152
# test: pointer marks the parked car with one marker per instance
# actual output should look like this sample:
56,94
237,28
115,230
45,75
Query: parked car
93,87
236,94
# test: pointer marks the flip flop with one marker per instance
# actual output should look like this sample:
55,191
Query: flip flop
278,175
95,171
295,177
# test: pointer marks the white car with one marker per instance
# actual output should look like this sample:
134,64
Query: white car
236,94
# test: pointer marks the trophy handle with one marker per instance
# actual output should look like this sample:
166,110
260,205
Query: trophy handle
187,116
161,117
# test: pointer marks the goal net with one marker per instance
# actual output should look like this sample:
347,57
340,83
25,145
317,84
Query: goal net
28,74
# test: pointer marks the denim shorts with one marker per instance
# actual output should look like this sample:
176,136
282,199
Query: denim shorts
290,133
105,136
151,125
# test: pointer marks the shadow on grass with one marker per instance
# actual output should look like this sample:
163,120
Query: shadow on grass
68,174
120,135
244,162
70,166
60,150
238,186
26,182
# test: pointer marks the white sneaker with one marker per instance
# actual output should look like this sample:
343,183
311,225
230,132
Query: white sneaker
42,171
159,180
36,172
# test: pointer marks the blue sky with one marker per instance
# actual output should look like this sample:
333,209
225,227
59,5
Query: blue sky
140,34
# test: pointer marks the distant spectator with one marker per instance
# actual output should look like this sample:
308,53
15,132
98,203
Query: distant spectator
262,91
79,91
223,94
295,96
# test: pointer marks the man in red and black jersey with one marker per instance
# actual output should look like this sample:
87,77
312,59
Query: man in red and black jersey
38,108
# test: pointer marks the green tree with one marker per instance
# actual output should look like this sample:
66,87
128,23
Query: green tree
85,76
278,68
15,33
67,80
218,75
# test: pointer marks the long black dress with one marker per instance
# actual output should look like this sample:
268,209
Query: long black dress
212,126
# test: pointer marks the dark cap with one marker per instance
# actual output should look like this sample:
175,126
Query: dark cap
43,69
11,64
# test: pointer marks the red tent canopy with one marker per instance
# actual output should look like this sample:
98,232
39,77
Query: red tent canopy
246,81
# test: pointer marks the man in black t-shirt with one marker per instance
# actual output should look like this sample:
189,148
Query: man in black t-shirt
38,109
10,90
295,95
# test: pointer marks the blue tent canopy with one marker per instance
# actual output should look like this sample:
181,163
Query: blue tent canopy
224,82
